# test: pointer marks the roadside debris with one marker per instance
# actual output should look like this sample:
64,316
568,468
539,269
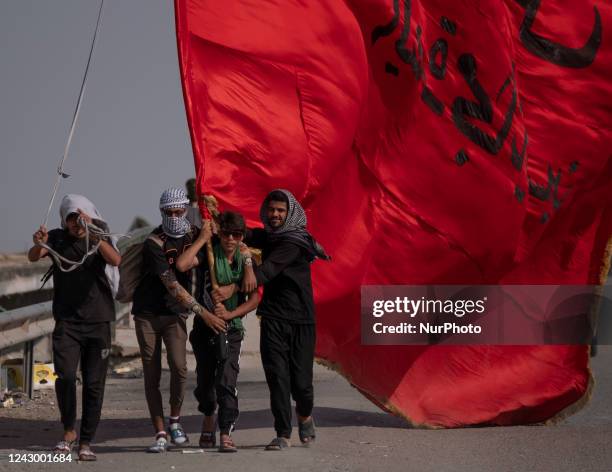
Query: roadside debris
11,399
132,369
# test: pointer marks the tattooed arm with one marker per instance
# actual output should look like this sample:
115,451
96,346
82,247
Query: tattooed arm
188,259
183,297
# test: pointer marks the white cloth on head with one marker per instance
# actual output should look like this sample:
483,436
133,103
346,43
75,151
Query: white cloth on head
72,203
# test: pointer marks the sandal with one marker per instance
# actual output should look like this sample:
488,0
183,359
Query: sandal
278,444
227,445
208,439
64,447
306,431
87,455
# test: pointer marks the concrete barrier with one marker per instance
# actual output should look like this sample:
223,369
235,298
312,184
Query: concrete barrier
24,277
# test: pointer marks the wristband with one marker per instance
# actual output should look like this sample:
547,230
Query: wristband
248,262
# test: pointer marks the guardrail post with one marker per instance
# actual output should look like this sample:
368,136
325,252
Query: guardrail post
28,368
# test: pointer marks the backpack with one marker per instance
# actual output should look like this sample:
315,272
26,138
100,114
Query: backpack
131,270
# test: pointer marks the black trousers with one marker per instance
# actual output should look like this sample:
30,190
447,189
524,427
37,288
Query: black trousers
287,354
90,344
216,380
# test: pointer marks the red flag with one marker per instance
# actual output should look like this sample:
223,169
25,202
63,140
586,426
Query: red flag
430,142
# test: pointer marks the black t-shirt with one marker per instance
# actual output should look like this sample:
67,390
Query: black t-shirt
285,276
151,296
82,295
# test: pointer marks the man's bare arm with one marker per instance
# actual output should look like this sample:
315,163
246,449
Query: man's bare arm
184,298
188,259
241,310
109,253
36,252
249,281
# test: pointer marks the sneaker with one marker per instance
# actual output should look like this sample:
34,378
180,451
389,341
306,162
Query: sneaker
160,445
177,434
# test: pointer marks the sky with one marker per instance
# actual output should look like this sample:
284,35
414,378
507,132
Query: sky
131,141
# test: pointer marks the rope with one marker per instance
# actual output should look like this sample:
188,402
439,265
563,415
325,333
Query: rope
89,228
60,168
58,258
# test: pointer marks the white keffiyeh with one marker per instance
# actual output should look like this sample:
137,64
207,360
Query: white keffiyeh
72,203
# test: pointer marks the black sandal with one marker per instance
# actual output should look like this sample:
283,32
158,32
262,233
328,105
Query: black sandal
208,439
278,444
306,431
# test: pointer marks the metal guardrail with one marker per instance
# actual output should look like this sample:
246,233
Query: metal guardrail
20,315
28,324
25,325
34,321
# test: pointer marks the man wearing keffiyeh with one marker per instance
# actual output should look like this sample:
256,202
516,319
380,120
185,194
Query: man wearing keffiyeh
162,302
287,312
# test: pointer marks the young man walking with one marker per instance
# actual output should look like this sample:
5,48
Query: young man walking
83,308
218,356
162,302
287,313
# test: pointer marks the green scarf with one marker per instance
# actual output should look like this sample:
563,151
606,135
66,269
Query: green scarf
226,275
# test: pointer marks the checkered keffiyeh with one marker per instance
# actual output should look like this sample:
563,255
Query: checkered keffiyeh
174,226
294,228
173,198
296,217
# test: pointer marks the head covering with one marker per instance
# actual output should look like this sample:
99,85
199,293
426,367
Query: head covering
296,217
294,227
171,199
72,203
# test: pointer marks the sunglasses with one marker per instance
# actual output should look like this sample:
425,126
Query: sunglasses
234,234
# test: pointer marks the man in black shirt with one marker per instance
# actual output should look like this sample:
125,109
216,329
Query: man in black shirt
162,302
287,312
83,308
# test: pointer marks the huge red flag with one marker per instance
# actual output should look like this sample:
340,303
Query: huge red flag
430,142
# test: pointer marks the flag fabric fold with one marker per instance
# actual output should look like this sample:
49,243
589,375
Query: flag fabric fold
430,142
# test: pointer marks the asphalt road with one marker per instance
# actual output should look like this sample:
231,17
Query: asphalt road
353,434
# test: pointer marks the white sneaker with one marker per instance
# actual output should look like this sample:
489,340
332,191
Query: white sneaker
160,445
177,434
